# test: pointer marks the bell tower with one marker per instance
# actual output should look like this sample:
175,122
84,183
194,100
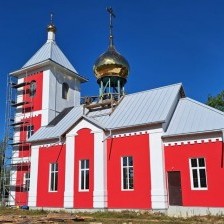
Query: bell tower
46,85
111,68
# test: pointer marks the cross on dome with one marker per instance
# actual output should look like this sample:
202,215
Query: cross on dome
51,29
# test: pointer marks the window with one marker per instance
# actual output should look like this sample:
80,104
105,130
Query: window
127,173
53,177
198,173
33,87
26,182
84,175
65,89
30,131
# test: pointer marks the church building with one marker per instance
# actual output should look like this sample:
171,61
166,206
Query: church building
146,150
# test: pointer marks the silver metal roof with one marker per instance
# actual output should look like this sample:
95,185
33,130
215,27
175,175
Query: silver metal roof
191,116
148,107
152,106
50,50
50,132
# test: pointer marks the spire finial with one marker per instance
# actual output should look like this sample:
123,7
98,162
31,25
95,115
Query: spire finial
51,29
52,16
110,11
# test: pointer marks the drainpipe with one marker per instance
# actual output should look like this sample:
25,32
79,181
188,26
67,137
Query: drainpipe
222,162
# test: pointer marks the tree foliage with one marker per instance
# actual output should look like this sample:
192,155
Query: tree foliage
216,101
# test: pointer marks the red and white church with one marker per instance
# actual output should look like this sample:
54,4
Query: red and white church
146,150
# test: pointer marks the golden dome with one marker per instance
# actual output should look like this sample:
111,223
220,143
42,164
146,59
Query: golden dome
111,63
51,28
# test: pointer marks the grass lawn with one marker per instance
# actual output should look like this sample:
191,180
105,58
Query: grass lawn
13,215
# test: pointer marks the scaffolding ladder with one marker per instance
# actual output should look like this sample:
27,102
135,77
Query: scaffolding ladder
17,121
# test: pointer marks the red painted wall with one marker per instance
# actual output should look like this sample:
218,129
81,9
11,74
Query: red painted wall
21,196
47,156
84,146
177,159
137,147
24,150
36,101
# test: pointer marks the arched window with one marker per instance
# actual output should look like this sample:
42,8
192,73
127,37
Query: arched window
65,89
33,87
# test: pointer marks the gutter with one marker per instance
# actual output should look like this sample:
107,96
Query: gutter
137,125
193,133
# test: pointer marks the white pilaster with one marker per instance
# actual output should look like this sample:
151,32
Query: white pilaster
69,172
158,184
45,98
100,171
32,200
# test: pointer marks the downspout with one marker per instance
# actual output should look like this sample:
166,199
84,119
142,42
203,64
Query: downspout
222,153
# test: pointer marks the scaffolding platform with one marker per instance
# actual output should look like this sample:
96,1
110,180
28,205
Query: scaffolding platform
16,86
19,123
14,104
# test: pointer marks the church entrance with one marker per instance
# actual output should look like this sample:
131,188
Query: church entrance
174,186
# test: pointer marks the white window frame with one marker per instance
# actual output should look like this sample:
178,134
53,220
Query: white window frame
198,168
26,181
83,170
30,131
54,171
128,168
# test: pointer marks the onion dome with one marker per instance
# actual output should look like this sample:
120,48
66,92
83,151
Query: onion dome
111,63
51,28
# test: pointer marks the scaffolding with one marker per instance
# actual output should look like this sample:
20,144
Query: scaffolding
18,121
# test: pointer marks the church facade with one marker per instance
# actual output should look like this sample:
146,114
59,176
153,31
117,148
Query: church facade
146,150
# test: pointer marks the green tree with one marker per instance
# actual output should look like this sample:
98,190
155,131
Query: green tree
216,101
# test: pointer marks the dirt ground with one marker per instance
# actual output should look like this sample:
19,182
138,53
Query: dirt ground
18,216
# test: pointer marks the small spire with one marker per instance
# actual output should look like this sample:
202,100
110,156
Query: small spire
52,15
111,38
51,29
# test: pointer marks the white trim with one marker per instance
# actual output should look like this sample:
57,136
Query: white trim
32,199
45,97
157,168
19,160
55,172
130,134
12,195
80,176
69,172
198,175
100,161
25,179
122,174
191,142
20,116
100,169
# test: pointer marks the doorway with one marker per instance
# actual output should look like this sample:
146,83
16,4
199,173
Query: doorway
174,186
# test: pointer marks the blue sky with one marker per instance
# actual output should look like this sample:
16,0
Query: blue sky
165,41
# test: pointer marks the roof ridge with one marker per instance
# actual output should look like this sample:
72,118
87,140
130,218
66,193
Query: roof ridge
203,105
157,88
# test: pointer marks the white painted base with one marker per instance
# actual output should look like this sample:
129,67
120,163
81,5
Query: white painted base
68,200
159,199
32,199
180,211
100,199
